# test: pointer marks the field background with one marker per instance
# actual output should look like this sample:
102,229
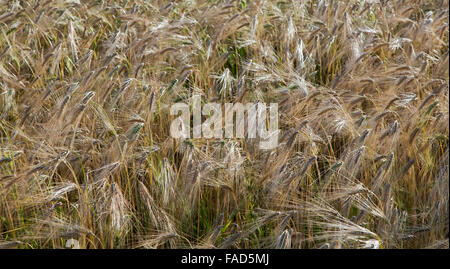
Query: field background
85,150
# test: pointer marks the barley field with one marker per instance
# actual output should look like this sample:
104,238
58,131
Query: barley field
86,154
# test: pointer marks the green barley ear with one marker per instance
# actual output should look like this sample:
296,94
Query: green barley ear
170,88
133,131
